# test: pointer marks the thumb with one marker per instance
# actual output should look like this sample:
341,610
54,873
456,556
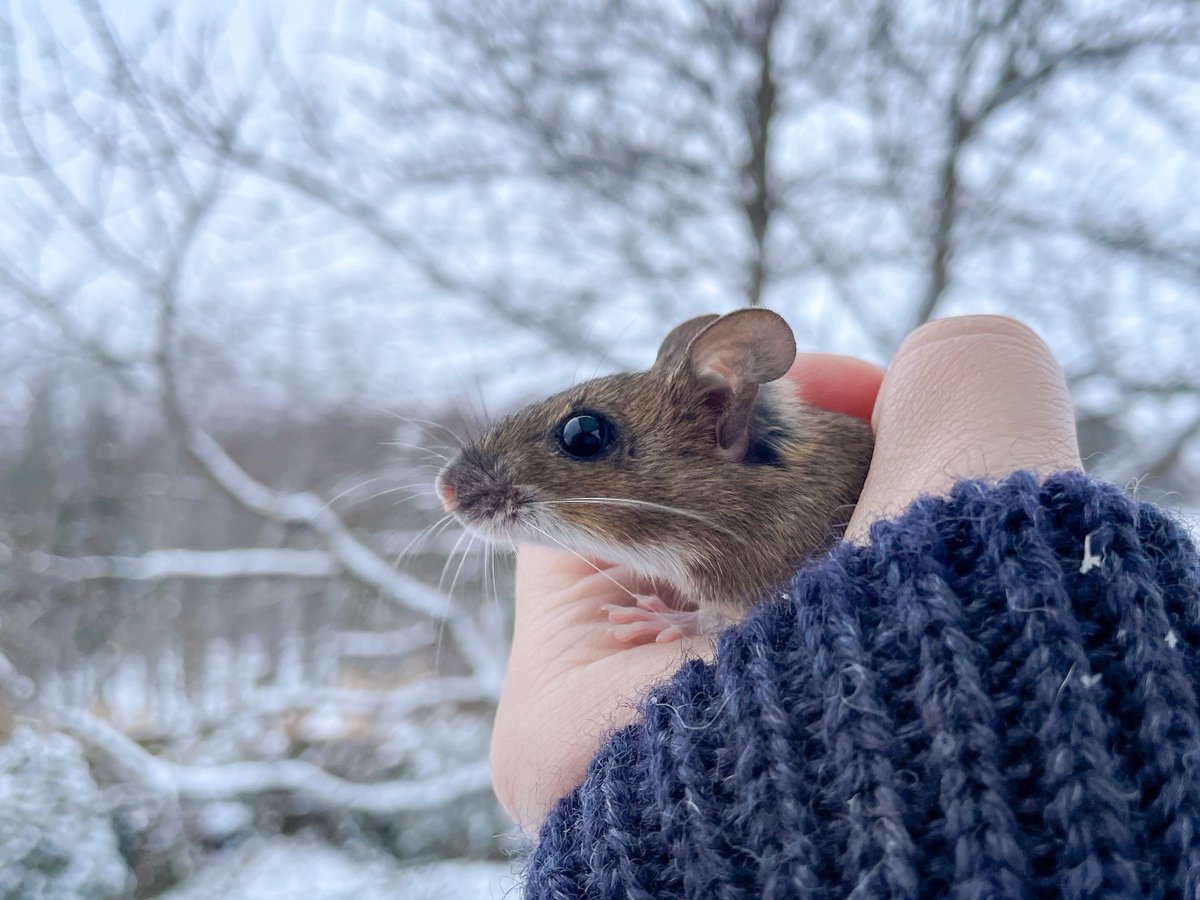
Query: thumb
974,396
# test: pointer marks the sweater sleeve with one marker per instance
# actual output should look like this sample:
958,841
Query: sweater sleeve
995,697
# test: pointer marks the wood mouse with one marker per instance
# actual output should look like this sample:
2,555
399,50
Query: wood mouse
704,473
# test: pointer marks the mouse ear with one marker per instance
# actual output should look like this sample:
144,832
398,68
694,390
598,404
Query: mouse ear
675,344
730,358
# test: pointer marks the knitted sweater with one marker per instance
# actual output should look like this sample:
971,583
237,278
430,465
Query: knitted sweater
997,697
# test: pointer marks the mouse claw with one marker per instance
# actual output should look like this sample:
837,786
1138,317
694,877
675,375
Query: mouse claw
650,621
653,603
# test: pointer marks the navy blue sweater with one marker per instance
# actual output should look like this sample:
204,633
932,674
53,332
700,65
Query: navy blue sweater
997,697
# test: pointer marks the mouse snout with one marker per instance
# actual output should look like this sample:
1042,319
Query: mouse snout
446,484
447,493
475,488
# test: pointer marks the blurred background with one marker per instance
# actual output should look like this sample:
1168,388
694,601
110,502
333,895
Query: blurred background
258,265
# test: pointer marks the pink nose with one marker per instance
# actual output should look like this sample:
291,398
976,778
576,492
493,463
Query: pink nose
446,492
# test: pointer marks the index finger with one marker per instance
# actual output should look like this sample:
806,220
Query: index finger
842,384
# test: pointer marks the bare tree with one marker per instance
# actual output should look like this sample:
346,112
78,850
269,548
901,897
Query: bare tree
117,190
864,166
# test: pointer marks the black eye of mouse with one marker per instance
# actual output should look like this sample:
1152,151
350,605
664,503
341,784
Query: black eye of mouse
585,435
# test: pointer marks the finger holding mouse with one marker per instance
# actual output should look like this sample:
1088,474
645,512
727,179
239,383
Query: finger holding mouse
970,396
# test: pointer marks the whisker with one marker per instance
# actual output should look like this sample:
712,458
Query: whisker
408,445
478,418
441,529
354,487
487,560
479,392
624,501
450,561
495,575
450,593
448,520
415,495
427,532
432,451
423,485
582,559
422,491
426,490
462,560
491,569
427,422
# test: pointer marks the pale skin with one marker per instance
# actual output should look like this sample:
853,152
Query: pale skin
974,396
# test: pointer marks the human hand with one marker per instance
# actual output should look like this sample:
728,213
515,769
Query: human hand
975,396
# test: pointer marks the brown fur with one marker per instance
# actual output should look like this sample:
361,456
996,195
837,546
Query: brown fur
749,521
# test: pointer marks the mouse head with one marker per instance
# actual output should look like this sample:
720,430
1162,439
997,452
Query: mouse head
637,459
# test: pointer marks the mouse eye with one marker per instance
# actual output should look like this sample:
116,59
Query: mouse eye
586,435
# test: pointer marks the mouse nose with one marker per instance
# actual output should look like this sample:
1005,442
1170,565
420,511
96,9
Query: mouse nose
448,494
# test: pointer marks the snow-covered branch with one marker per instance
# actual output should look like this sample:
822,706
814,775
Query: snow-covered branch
157,565
238,780
393,704
355,558
386,643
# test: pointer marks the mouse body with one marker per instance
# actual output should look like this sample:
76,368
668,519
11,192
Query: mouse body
704,472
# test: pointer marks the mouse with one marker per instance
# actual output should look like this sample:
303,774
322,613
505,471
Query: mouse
704,474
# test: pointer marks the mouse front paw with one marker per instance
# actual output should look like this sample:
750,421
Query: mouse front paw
651,620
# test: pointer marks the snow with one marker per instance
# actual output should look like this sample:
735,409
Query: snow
304,868
223,820
56,838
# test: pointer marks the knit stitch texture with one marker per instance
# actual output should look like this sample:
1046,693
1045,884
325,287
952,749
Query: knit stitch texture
996,697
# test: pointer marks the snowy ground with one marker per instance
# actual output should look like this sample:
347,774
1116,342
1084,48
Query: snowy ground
306,869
